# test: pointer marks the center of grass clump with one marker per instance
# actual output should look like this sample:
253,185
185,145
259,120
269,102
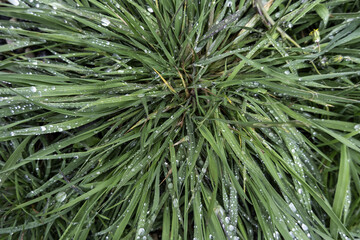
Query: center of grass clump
179,119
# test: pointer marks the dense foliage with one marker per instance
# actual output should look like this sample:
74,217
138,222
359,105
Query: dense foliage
145,119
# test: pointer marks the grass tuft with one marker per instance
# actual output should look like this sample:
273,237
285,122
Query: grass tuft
180,119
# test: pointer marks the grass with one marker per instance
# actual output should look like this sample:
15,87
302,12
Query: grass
180,120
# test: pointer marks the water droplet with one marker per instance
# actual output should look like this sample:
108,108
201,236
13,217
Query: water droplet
105,22
287,72
141,231
43,128
170,185
197,49
176,203
292,207
14,2
33,89
357,127
150,10
304,227
61,196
